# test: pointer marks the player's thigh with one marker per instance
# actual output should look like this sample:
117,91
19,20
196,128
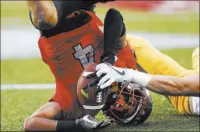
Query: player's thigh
155,62
75,112
195,60
50,110
43,14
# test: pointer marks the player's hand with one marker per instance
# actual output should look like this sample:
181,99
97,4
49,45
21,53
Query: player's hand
90,124
110,74
107,74
96,81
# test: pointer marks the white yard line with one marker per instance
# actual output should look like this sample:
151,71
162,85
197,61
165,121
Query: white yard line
27,86
14,41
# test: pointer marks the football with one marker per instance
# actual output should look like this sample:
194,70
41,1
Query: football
89,96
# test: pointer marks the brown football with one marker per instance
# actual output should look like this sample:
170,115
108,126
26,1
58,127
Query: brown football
91,100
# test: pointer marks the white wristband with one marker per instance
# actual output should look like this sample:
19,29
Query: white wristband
139,78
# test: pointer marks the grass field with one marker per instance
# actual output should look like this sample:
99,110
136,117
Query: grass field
16,105
16,13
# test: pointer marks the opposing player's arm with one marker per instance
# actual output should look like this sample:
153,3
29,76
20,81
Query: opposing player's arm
177,86
161,84
43,14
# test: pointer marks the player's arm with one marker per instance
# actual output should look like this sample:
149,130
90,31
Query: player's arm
101,1
114,32
177,86
104,1
161,84
43,14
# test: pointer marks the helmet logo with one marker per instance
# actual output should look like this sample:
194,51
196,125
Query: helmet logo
99,97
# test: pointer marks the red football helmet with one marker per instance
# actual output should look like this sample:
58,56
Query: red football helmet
129,104
126,103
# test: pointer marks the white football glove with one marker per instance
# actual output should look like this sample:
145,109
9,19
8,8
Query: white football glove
111,74
114,74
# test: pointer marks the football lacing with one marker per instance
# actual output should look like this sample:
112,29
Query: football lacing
99,97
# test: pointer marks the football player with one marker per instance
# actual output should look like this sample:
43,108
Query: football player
70,39
165,76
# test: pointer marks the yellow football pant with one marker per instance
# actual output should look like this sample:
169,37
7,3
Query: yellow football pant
157,63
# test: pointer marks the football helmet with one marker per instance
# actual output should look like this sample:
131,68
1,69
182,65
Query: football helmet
129,104
126,103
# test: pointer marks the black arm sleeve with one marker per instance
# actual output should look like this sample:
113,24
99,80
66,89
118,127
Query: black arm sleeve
67,126
114,28
104,1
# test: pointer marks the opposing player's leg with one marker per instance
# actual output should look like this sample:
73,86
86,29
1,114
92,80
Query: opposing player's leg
195,60
42,119
153,61
195,101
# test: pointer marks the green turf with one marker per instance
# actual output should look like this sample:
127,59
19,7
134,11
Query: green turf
16,13
16,105
31,71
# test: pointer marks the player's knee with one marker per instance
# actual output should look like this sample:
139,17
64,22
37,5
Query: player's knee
29,124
